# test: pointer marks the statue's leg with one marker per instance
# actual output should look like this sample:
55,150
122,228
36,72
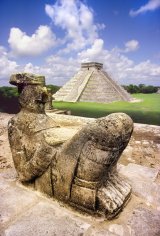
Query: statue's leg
96,185
88,177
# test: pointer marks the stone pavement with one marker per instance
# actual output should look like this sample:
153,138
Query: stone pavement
25,212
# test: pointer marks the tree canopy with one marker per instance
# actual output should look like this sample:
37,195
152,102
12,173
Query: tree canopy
141,88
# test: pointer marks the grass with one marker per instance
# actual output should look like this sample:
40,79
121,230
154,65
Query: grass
147,111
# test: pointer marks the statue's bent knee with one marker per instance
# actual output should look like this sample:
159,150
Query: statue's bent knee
106,139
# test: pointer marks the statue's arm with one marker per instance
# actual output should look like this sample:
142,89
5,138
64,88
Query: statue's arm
38,163
29,168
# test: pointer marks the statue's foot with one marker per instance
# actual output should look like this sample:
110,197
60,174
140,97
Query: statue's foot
112,197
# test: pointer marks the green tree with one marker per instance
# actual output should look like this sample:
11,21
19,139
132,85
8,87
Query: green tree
9,99
133,88
54,88
141,88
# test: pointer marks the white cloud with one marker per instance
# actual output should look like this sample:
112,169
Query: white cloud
39,42
77,20
82,41
120,67
7,66
126,71
148,69
49,11
58,70
111,58
131,45
151,5
93,53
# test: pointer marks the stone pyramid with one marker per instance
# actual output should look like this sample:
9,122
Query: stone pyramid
92,84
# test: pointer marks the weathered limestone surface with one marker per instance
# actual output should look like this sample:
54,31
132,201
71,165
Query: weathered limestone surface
27,212
144,146
79,168
92,84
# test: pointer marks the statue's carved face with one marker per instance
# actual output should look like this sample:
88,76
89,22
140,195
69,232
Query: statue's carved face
33,98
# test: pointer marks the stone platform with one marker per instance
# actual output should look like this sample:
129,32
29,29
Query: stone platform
25,212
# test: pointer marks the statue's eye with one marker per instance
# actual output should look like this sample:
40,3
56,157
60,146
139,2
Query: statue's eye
44,97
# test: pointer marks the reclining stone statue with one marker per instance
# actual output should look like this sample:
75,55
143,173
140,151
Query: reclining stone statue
80,171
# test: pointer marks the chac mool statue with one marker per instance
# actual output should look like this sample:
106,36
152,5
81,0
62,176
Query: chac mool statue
80,170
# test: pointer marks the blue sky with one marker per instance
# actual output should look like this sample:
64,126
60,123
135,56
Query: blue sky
53,38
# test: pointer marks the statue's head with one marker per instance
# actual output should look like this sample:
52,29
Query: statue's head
32,91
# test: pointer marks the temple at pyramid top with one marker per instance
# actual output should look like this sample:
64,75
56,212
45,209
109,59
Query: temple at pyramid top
88,65
92,84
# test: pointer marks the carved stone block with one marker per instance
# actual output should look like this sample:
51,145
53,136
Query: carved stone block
79,168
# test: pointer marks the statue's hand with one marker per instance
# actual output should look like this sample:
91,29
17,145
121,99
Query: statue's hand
44,153
45,149
39,162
